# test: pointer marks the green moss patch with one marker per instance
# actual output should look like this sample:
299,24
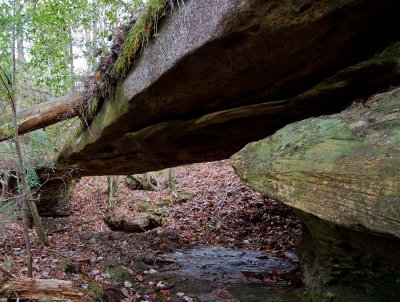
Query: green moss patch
68,268
139,35
95,292
140,266
119,274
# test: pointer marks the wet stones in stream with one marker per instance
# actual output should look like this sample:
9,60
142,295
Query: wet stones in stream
221,274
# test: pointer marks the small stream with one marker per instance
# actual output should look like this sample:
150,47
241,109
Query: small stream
221,274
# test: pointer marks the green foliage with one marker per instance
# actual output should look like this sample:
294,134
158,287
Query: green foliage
95,292
68,268
144,206
8,212
120,274
31,177
308,296
140,266
166,202
10,265
208,226
184,196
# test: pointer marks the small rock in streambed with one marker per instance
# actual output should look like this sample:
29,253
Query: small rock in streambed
106,276
150,272
95,272
160,284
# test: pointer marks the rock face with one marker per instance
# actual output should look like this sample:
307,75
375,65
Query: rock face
342,174
56,190
223,73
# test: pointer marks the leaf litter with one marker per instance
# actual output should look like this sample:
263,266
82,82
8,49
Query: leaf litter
207,206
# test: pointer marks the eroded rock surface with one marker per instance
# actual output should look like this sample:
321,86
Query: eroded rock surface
223,73
342,174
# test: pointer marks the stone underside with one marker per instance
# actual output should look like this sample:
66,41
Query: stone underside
223,73
341,172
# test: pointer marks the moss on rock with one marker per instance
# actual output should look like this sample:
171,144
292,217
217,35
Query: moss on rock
342,168
119,274
342,174
139,35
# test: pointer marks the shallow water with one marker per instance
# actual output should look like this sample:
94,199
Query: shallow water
220,274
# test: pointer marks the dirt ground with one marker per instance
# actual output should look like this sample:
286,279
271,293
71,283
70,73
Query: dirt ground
207,206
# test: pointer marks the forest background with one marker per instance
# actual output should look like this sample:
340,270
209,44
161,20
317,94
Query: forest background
49,49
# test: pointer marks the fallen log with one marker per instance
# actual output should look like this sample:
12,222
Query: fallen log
40,290
45,114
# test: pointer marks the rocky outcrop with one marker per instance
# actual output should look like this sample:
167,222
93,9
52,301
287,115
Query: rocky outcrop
223,73
56,189
341,173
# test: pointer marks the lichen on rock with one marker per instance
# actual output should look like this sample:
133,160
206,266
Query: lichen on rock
343,168
341,172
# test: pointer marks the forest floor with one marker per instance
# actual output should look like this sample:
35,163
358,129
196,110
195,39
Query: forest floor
207,207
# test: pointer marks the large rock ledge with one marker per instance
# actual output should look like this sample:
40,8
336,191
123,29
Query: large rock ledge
342,174
224,73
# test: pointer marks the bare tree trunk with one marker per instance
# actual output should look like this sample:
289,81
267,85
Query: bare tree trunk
170,179
21,172
112,191
96,181
19,39
25,222
40,231
69,58
150,178
5,184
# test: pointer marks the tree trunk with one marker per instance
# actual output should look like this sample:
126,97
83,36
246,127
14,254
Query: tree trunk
21,175
112,191
40,290
19,39
46,114
150,179
170,179
40,231
5,188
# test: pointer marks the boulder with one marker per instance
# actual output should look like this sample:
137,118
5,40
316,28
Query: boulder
341,172
118,221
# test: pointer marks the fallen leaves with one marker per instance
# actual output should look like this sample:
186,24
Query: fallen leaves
208,206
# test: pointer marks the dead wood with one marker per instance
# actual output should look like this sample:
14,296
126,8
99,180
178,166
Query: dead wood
40,290
45,114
